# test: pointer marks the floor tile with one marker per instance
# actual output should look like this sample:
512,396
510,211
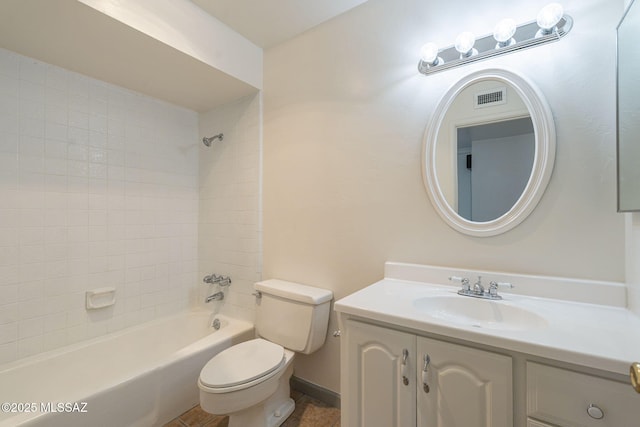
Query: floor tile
219,421
309,412
196,417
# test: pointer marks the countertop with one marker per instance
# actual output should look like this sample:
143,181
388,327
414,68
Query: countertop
597,336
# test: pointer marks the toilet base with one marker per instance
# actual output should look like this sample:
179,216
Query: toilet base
273,411
256,415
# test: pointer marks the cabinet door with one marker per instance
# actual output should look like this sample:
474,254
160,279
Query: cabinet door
374,363
466,387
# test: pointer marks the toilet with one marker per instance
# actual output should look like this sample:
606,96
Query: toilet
250,381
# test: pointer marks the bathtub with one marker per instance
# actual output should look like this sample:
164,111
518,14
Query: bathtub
141,376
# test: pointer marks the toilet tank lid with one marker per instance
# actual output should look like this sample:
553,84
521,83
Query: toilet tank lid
294,291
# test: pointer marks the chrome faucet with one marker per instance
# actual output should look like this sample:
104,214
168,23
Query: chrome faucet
218,296
477,287
224,281
221,281
478,290
463,281
214,279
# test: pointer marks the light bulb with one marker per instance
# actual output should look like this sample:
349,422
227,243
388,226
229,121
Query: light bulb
464,44
549,16
429,54
504,31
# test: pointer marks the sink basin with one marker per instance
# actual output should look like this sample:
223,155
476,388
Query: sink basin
479,313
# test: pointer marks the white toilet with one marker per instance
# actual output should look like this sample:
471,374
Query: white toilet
250,381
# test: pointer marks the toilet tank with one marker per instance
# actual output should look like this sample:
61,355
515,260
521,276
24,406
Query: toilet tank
293,315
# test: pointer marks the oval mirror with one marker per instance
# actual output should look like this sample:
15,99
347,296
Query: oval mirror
488,152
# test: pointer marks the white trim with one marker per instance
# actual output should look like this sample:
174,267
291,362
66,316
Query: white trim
545,149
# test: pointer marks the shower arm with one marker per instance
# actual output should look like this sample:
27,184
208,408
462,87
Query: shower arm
207,141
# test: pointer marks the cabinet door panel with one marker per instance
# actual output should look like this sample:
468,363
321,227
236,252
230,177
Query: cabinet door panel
376,394
467,387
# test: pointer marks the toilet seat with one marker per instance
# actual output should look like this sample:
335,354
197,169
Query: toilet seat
242,365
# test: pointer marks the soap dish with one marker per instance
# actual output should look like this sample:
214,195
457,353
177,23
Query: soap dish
100,298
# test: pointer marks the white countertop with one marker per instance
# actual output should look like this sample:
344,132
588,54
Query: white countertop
598,336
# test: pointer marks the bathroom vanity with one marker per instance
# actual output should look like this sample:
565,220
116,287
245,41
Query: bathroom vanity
552,352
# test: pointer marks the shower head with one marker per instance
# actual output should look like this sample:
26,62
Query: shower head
207,141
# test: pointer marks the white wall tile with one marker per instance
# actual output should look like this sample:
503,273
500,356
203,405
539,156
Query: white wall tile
229,222
80,162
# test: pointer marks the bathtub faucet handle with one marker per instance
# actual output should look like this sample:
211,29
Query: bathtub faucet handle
211,278
214,279
224,280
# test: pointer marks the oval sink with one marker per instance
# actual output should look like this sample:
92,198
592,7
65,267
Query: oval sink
480,313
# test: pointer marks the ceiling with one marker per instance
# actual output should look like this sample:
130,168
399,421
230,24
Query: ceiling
270,22
71,35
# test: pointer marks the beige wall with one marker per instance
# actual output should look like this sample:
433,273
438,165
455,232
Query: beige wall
345,112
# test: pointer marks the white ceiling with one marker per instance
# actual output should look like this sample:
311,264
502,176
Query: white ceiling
72,35
76,37
270,22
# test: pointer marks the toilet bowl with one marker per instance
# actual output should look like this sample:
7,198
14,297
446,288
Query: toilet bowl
250,381
252,375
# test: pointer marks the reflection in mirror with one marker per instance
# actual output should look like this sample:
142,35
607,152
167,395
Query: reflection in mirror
485,150
629,110
488,152
493,167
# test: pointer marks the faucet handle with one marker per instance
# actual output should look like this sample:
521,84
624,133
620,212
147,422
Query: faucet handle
493,287
214,279
224,281
501,285
463,281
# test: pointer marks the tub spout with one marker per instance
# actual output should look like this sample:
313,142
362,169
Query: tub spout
218,296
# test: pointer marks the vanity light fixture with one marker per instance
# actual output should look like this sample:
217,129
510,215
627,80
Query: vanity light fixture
429,55
464,44
503,33
550,25
548,18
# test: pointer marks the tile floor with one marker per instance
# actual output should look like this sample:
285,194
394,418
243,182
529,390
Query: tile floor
309,412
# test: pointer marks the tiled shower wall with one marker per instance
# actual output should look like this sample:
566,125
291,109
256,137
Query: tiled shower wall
230,231
98,187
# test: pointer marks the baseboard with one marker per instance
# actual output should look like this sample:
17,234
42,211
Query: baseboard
317,392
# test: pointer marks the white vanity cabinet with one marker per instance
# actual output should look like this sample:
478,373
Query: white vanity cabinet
383,381
572,399
532,359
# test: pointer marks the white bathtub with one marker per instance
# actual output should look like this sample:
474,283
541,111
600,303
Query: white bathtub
141,376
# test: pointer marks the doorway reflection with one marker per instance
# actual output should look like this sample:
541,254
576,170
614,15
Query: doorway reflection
494,163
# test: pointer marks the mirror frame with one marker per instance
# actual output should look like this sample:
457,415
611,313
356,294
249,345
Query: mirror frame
545,149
